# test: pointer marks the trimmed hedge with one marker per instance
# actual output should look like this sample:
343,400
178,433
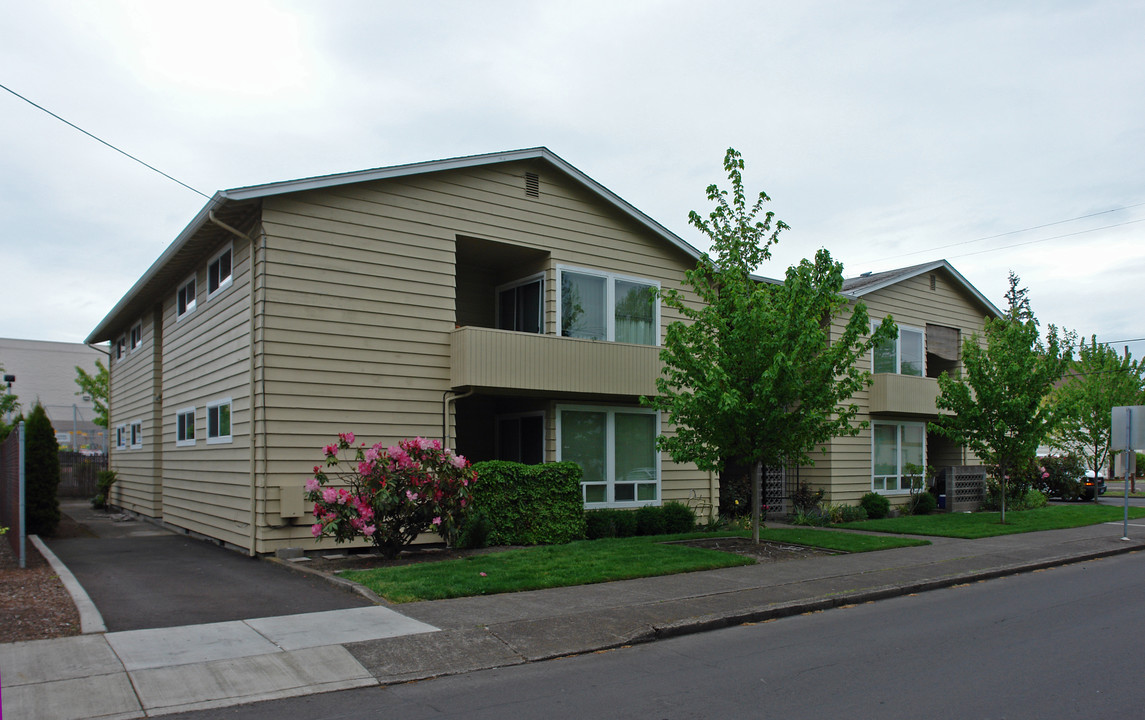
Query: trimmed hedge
672,517
529,504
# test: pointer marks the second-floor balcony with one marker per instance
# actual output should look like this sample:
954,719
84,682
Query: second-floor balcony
502,359
896,394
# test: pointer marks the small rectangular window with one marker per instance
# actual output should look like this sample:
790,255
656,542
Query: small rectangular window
904,355
120,348
185,299
185,427
520,306
136,336
137,434
219,272
121,437
219,421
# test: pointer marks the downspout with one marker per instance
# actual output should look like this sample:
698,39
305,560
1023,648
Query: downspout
253,518
446,400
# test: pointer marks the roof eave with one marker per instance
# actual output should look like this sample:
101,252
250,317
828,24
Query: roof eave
919,270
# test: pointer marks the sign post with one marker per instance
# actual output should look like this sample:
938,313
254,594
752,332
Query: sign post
1128,436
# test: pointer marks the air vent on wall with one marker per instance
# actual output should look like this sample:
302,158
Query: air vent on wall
532,184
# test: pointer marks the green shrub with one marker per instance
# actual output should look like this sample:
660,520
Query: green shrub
610,523
876,505
650,520
924,504
474,531
41,474
813,517
852,513
679,518
1034,499
806,499
1060,476
104,480
530,504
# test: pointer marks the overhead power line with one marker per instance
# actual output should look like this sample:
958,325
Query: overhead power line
1055,237
101,140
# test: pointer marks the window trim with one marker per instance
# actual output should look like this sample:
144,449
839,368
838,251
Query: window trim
898,350
135,337
898,425
135,434
226,282
529,280
610,452
121,436
215,405
610,279
185,442
191,304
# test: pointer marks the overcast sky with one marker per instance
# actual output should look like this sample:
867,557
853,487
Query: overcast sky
891,133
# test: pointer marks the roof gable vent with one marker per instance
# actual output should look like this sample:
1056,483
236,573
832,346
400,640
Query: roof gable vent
532,184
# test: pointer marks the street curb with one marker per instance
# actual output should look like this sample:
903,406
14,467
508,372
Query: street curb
340,583
91,621
705,623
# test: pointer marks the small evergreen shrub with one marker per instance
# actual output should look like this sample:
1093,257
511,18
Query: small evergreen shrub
650,520
876,505
530,504
474,531
806,499
1034,499
924,504
104,480
678,518
41,474
852,513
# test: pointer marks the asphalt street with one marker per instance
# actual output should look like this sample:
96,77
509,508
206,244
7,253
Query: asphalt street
1058,643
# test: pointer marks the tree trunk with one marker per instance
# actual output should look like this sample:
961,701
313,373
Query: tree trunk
1002,480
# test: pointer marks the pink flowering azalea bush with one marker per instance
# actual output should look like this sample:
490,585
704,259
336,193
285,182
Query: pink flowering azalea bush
389,495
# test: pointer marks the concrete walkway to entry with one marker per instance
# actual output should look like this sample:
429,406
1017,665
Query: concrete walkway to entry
143,673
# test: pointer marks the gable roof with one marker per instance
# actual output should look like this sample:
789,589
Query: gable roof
232,207
870,282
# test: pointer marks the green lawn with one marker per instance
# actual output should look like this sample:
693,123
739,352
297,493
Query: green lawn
585,562
986,524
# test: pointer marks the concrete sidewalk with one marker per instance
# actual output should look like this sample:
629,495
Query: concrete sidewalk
154,672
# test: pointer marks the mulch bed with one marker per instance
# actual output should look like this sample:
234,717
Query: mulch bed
33,602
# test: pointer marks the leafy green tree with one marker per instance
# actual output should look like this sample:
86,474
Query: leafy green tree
998,403
9,405
95,387
751,374
1098,381
41,473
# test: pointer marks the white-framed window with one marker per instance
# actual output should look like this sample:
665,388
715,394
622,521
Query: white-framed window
219,421
898,456
136,336
185,298
521,305
616,450
521,437
120,347
121,437
219,272
136,434
905,355
185,427
605,306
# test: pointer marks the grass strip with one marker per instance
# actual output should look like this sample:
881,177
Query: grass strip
583,563
971,526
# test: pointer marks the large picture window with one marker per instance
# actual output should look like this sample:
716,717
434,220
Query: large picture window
603,306
898,456
905,355
520,305
616,450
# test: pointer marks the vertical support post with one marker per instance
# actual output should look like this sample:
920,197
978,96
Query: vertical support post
23,529
756,481
1128,444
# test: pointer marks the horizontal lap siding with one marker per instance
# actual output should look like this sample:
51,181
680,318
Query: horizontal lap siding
910,302
207,358
360,303
133,391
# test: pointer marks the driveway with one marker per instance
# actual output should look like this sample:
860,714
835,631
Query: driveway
141,576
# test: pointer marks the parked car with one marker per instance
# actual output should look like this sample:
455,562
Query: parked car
1088,484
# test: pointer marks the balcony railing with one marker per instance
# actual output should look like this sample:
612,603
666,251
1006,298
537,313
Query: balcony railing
904,395
489,358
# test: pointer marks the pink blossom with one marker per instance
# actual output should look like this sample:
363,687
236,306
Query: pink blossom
365,468
435,444
329,495
437,520
312,485
484,575
411,495
458,461
343,496
346,437
316,529
420,443
369,530
373,454
330,450
317,469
